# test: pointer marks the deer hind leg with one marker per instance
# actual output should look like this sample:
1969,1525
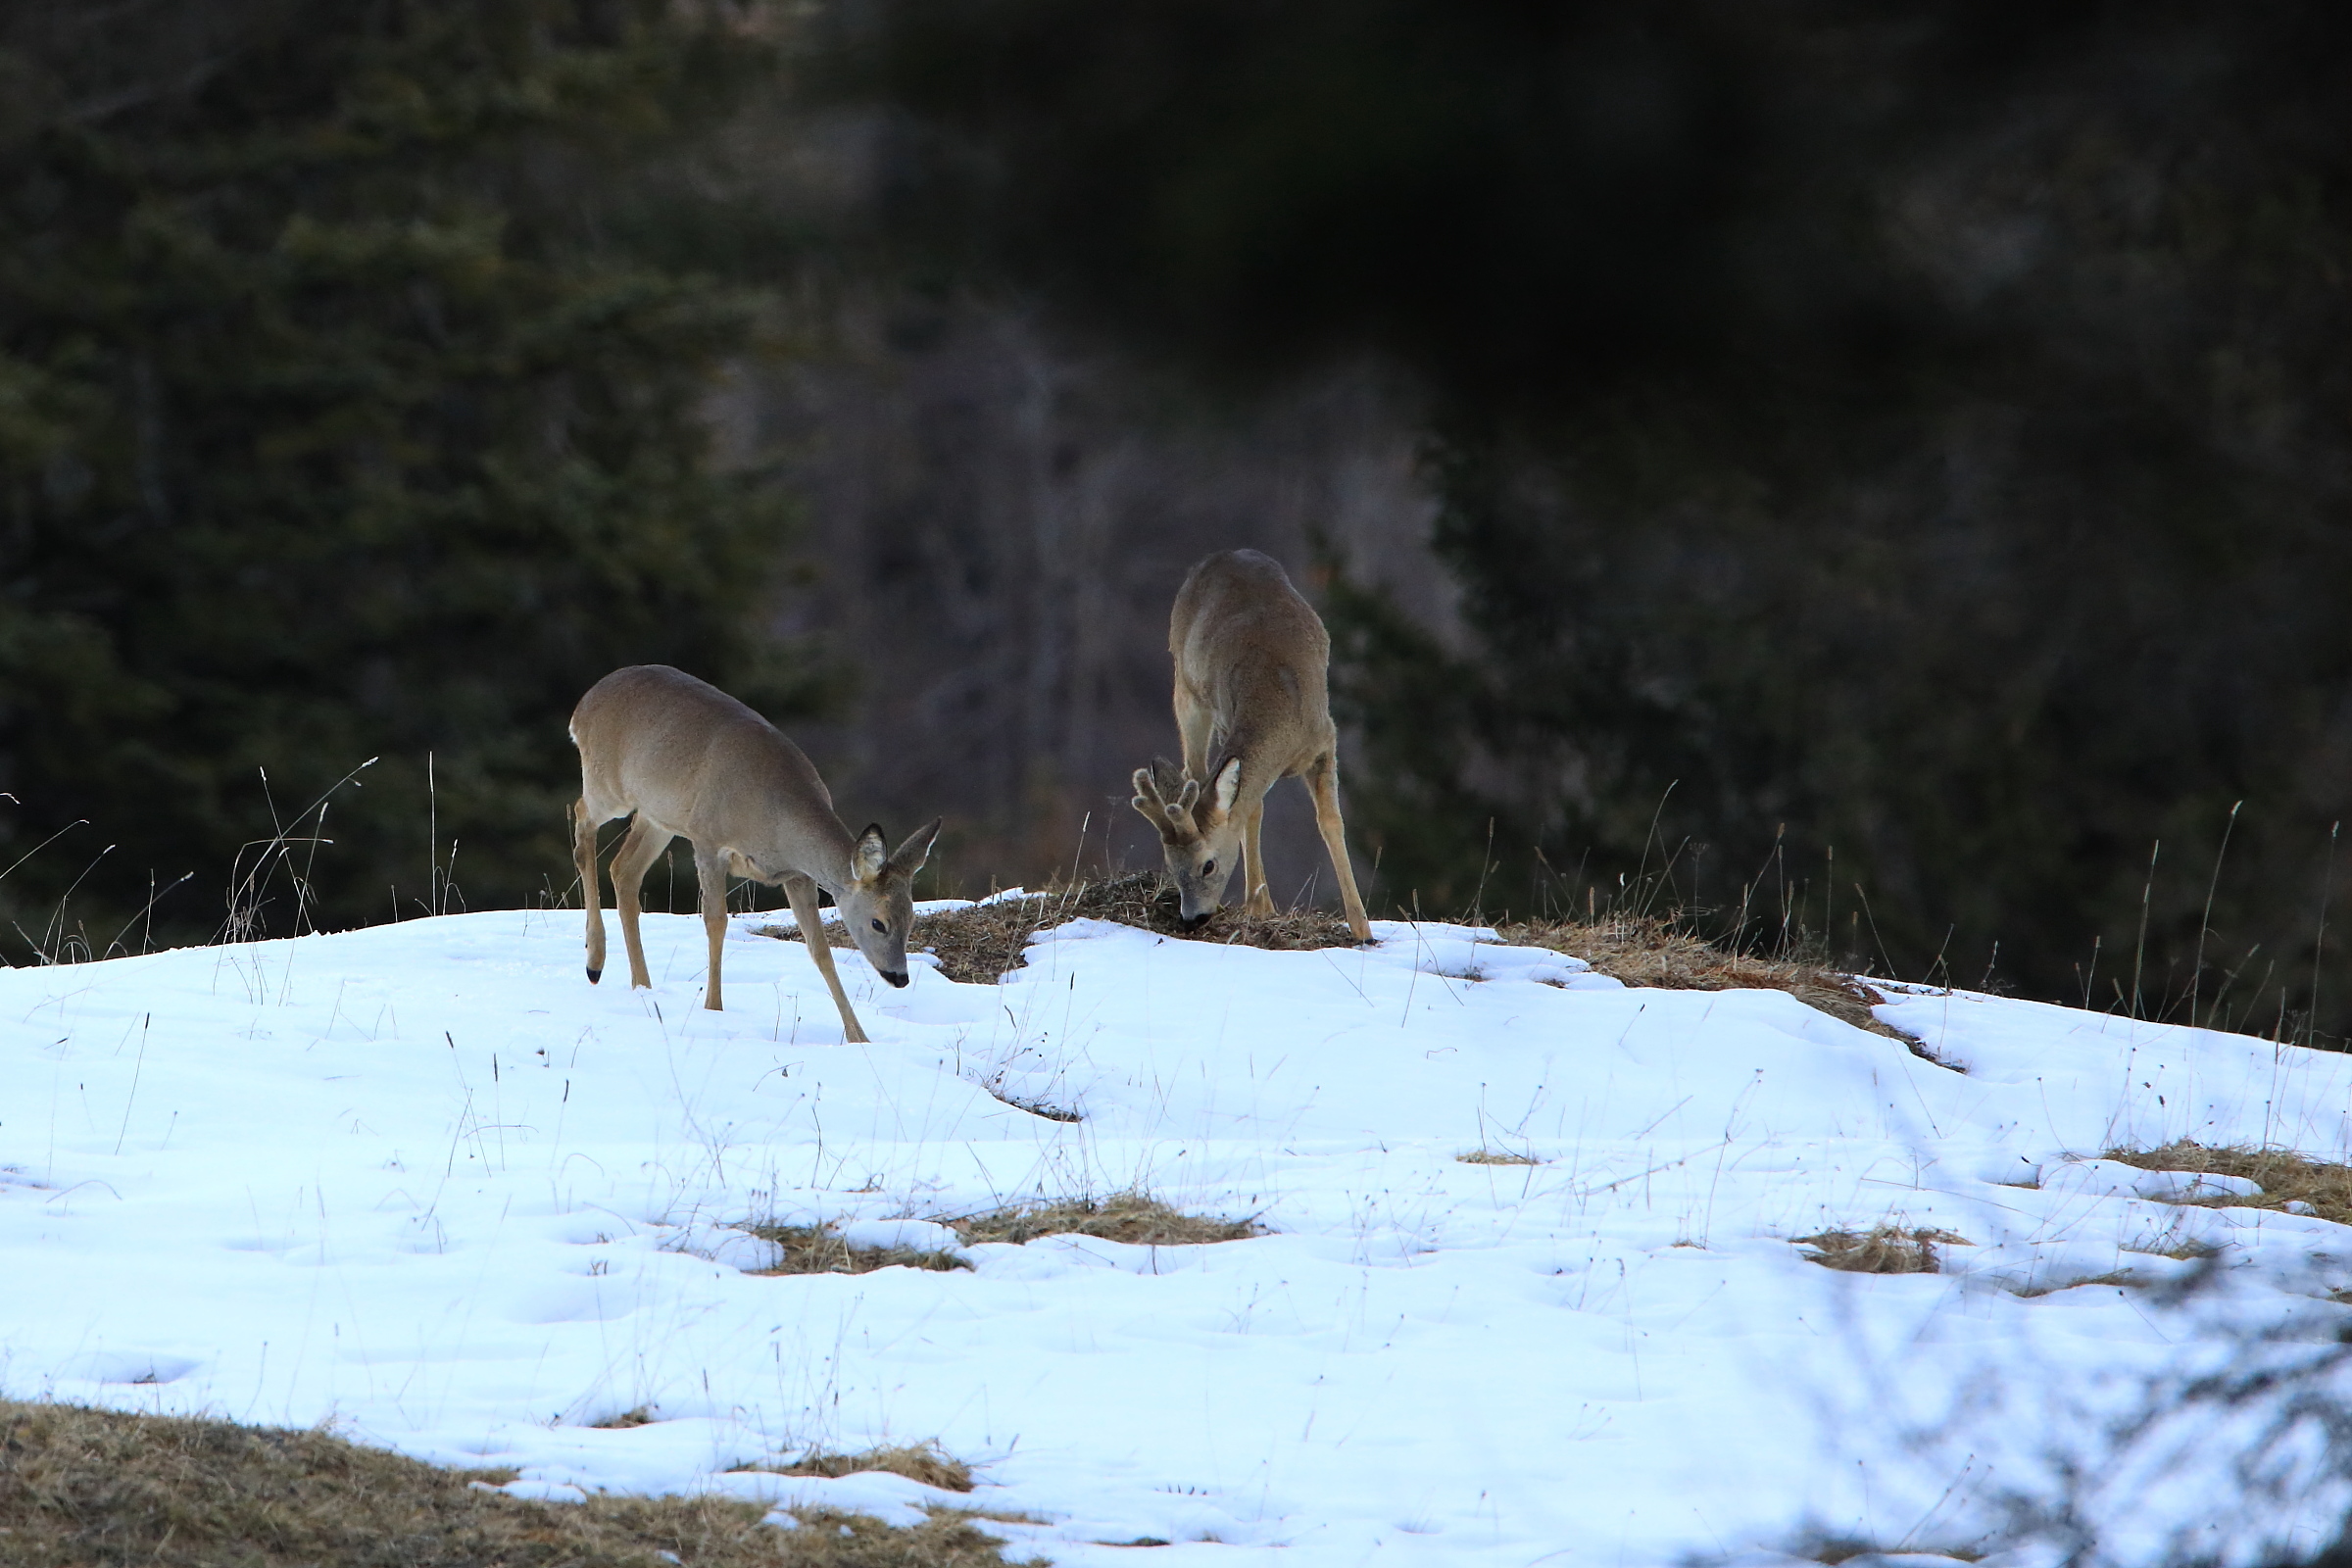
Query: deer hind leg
592,895
1323,782
1257,899
802,893
710,876
636,855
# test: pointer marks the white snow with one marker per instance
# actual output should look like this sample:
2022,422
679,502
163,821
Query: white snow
425,1181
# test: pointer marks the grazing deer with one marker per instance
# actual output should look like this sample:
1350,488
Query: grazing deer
692,762
1251,659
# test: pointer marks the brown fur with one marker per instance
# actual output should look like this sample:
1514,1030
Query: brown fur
690,762
1253,709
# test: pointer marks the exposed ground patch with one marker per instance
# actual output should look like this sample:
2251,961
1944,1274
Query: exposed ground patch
979,944
1880,1249
1648,951
1130,1217
922,1461
821,1249
96,1487
1496,1157
2285,1177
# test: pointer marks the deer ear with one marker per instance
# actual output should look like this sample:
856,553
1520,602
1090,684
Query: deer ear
1228,785
869,854
909,857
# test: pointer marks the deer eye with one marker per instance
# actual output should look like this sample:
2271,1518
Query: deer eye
1208,867
879,926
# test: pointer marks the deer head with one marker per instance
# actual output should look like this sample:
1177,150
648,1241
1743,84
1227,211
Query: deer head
878,904
1199,839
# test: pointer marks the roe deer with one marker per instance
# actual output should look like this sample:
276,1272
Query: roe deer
693,762
1252,659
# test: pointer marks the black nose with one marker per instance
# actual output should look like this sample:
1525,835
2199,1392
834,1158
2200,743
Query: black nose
1194,922
896,977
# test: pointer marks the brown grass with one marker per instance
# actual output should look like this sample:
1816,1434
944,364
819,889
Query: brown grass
819,1249
922,1461
641,1416
97,1490
1651,950
979,944
1129,1218
2284,1178
1882,1250
1496,1157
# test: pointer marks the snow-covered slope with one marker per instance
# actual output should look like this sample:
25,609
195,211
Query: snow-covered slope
423,1180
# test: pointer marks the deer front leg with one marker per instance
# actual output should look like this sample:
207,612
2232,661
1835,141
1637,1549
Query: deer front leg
1257,899
710,877
1323,783
592,896
636,855
802,893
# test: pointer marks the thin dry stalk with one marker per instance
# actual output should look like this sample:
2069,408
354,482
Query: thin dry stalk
93,1486
1129,1218
2283,1176
1649,951
819,1249
1880,1249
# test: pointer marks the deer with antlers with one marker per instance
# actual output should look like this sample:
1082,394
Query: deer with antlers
1252,709
690,762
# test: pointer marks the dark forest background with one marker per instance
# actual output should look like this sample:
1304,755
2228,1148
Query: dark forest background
1874,470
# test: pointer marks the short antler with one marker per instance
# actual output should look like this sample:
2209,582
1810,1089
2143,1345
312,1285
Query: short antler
1173,818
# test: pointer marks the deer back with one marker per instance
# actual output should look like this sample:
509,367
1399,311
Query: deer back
657,741
1251,650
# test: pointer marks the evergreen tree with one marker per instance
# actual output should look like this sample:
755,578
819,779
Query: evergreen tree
334,425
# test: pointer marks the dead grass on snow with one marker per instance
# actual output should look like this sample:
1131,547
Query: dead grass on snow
101,1490
1649,951
2283,1176
925,1462
1135,1218
1131,1217
980,943
1880,1249
2121,1278
821,1249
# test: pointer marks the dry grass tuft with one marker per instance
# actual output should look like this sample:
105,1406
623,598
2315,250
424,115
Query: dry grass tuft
922,1461
1496,1157
979,944
819,1249
1882,1250
2284,1178
641,1416
1129,1218
100,1490
1651,951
